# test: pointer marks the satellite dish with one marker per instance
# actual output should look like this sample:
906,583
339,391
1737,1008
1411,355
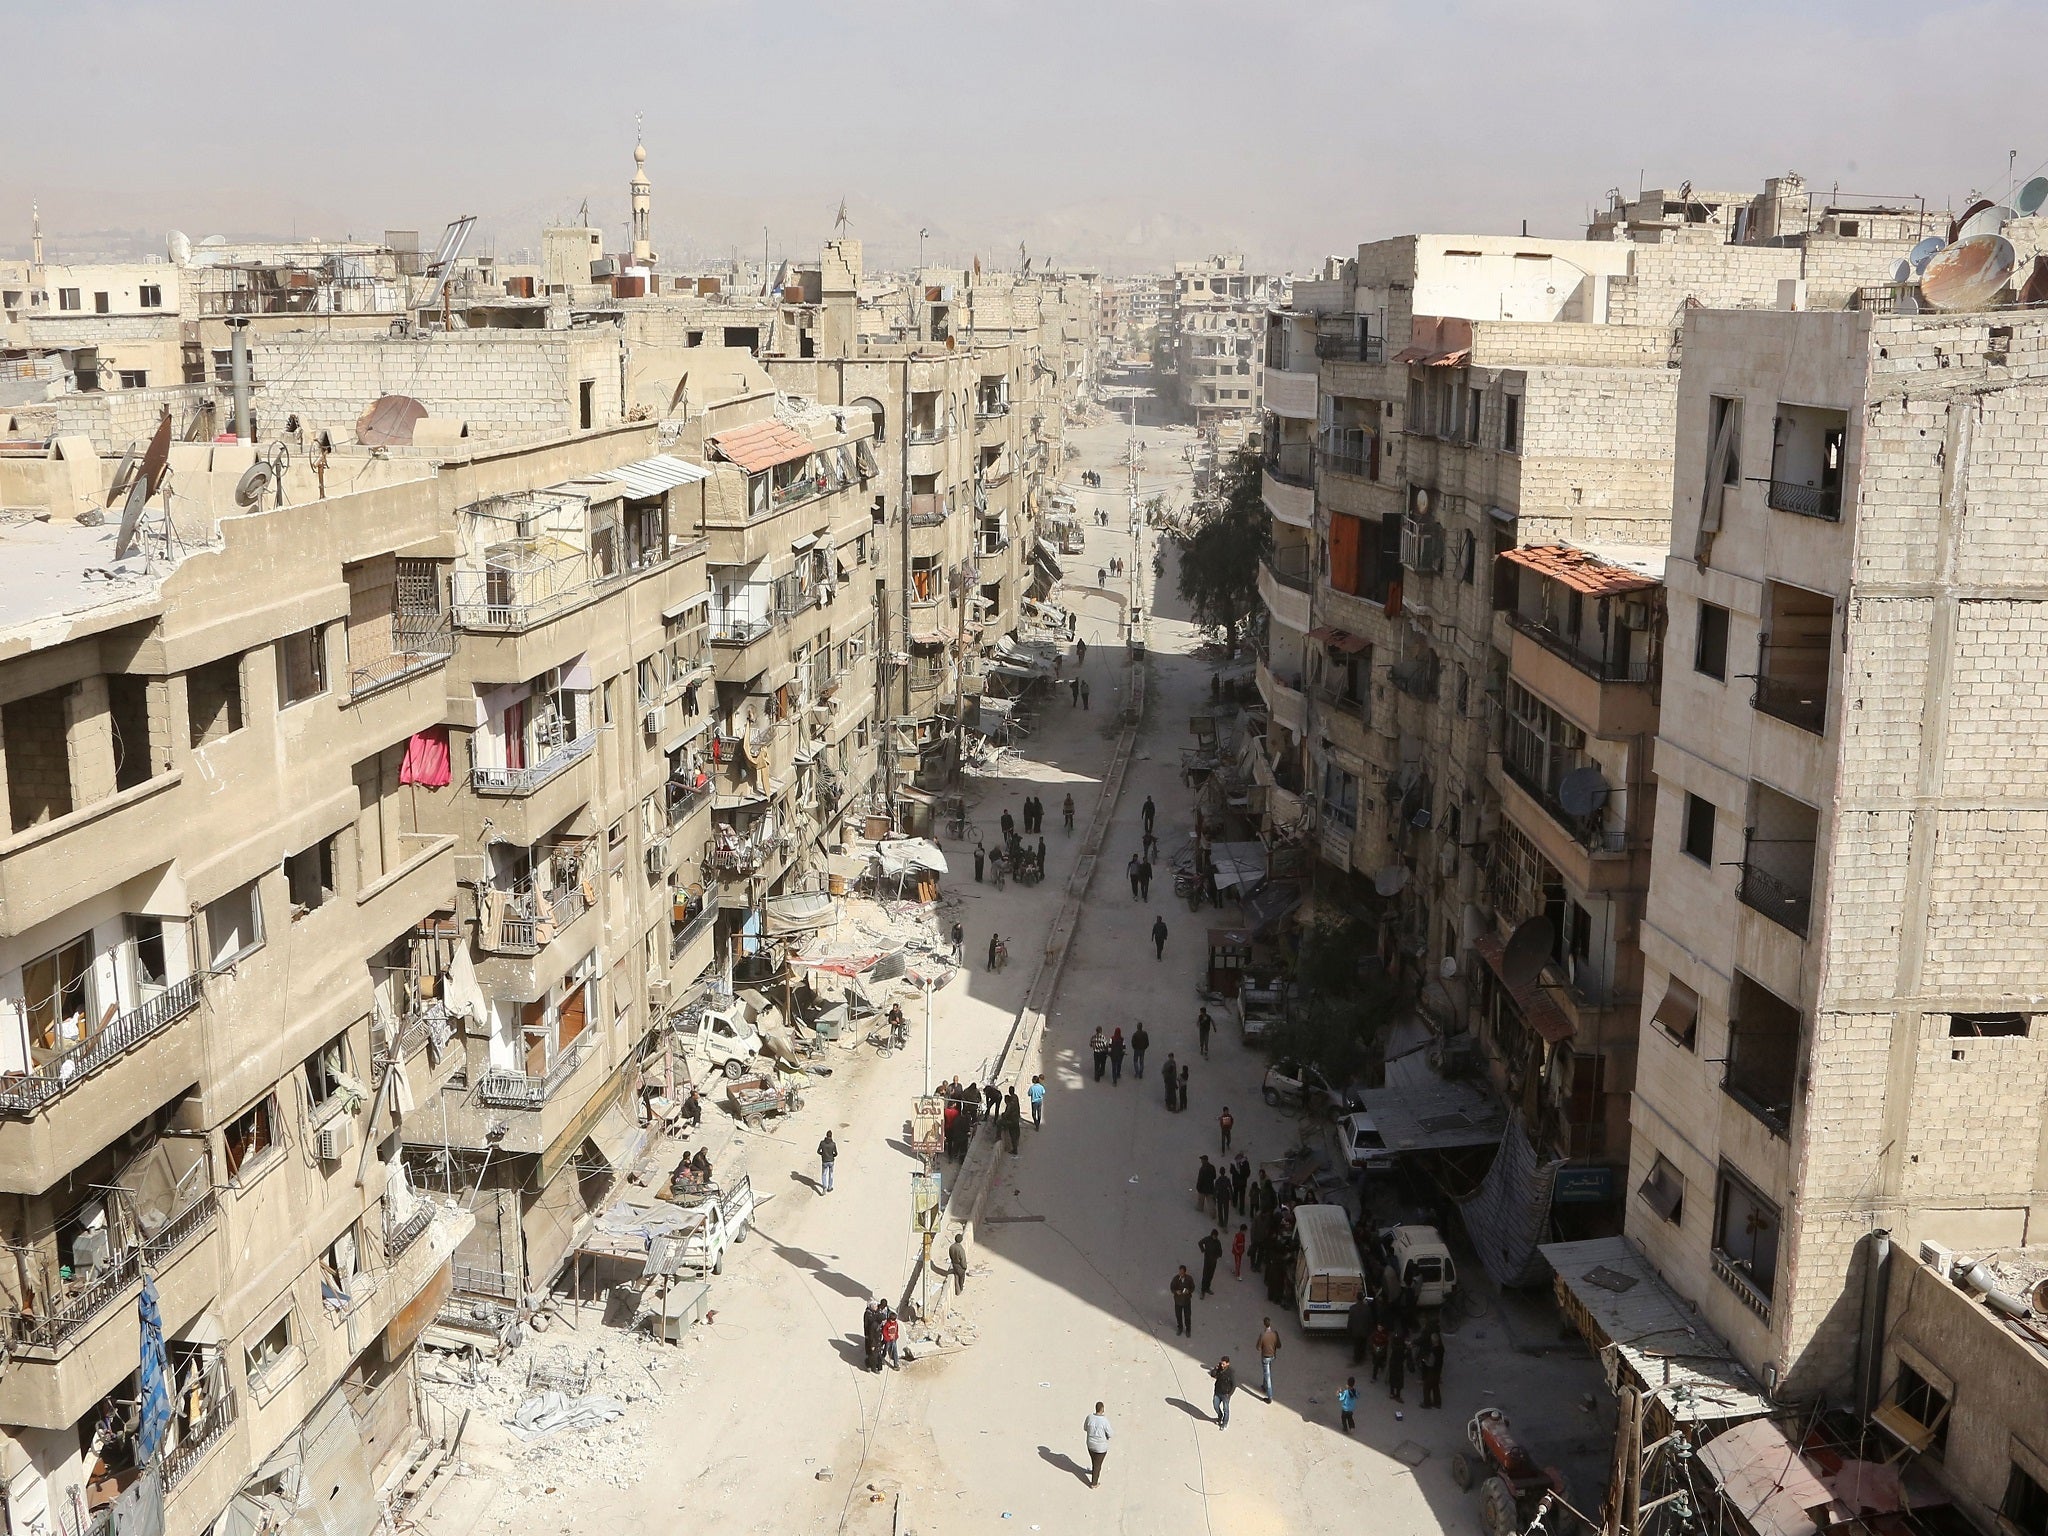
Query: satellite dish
1422,502
1969,274
131,519
1521,962
131,462
1389,881
156,459
1924,252
1447,967
256,479
1582,791
2031,197
389,422
178,246
1903,272
1955,230
1986,221
888,968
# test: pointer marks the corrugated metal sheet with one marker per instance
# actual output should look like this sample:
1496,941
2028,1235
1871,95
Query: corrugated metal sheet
763,445
1580,569
650,477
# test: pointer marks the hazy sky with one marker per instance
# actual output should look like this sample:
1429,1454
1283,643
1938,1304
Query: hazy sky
1119,133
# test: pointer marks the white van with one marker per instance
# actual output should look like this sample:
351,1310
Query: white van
1328,1274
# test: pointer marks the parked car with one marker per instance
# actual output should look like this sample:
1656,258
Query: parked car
1423,1261
1364,1148
1301,1084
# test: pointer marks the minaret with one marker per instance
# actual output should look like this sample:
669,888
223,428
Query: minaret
643,204
35,249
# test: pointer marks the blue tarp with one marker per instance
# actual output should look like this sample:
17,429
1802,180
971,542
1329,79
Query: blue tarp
155,1377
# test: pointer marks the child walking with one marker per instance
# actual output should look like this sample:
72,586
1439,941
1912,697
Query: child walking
1237,1246
1347,1403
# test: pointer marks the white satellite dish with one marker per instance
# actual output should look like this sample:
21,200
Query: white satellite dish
1986,221
1390,880
1903,272
1448,967
1925,252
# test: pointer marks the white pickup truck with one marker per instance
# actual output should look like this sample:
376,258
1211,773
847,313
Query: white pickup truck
727,1038
715,1219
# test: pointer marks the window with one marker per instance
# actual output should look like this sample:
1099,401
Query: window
147,935
1988,1026
234,925
326,1070
100,304
309,876
302,666
2025,1506
1745,1235
150,296
1916,1395
1679,1014
1696,837
134,378
1474,403
1710,644
586,404
1511,423
1340,796
250,1135
213,699
57,989
269,1350
67,298
1663,1191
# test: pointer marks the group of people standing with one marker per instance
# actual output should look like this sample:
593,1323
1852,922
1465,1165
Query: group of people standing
967,1108
1266,1240
1389,1326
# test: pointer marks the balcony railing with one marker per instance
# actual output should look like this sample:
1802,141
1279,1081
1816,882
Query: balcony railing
1352,349
1354,705
990,410
200,1438
28,1092
927,433
738,626
1737,1280
684,801
1632,670
683,936
519,930
522,1090
1288,566
72,1311
418,641
524,781
1363,463
1777,898
1804,704
399,1236
1292,464
928,511
525,598
1821,501
1596,833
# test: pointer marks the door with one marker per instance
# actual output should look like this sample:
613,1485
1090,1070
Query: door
569,1020
515,735
533,1027
56,986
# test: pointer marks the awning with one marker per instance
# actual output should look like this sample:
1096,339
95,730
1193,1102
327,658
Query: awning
1507,1215
616,1137
1338,639
1582,570
1775,1489
804,543
739,800
651,477
1679,1013
1614,1297
675,611
1238,864
1534,1005
1047,560
693,727
800,912
1269,903
900,855
763,445
926,637
1434,1116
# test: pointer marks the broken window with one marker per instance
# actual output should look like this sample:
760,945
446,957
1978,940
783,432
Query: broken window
269,1349
1762,1069
1808,445
213,699
309,876
1679,1014
327,1071
234,925
1511,423
38,758
1746,1229
1778,857
248,1136
1988,1026
586,403
134,378
302,666
1663,1191
150,296
1696,833
2025,1506
1793,656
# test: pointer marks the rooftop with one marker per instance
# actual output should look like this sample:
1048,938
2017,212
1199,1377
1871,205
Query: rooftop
60,571
1602,571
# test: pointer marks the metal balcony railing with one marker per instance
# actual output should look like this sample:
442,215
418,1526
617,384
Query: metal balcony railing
928,511
990,410
1732,1274
1598,833
683,935
200,1438
1363,464
69,1313
1779,899
522,1090
927,432
738,626
1292,464
28,1092
1804,704
1602,669
1288,565
399,1236
418,641
1352,349
1821,501
524,781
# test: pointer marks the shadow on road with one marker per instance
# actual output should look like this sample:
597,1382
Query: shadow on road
1064,1462
1191,1410
831,1279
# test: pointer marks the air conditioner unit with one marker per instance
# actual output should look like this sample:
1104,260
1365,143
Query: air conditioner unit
657,992
333,1139
657,859
1938,1257
655,720
1635,615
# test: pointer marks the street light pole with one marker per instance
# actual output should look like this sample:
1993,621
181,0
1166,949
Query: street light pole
927,990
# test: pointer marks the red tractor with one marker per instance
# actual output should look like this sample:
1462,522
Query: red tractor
1514,1484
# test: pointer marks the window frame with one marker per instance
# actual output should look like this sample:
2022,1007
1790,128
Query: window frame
244,1168
1710,618
252,891
1689,808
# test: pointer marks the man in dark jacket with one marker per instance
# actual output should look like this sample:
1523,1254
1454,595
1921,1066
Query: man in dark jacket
1429,1365
1225,1375
1159,938
1358,1328
1205,1183
1212,1254
1182,1288
1013,1119
1140,1043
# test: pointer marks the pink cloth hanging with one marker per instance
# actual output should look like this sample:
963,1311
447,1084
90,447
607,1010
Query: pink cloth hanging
426,759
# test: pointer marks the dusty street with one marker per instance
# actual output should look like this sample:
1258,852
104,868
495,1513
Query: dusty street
765,1421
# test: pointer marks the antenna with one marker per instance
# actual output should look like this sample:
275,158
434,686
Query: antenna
442,267
1521,962
155,461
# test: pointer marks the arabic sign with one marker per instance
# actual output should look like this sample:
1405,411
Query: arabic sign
927,1125
924,1202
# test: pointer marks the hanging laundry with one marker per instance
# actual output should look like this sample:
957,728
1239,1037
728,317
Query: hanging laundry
426,759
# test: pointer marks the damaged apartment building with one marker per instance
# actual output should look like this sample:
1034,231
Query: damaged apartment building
1205,353
1468,468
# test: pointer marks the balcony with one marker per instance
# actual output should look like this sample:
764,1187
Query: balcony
1352,349
928,511
1819,501
1783,900
75,1309
524,781
991,410
25,1093
1292,464
521,1090
1761,1069
1283,584
922,433
1284,699
685,933
528,921
1292,504
200,1438
1796,702
738,626
1601,669
1292,395
1361,462
512,600
1600,833
1730,1272
419,641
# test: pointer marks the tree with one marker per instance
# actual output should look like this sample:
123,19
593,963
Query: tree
1343,1006
1219,556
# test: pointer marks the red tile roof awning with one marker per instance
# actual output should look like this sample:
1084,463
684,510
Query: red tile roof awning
1580,569
1338,639
763,445
1536,1008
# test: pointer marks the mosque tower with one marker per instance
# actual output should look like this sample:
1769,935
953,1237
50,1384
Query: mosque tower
643,206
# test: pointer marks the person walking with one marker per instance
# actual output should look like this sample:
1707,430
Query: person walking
1084,693
1098,1046
1041,842
980,858
1358,1323
1067,811
959,942
1211,1248
1255,1249
1095,1430
1268,1345
992,941
1183,1095
892,1333
1205,1183
1203,1025
956,1258
1144,878
1172,1081
1013,1120
1347,1404
1397,1365
1131,869
1241,1182
1223,1188
1036,1093
1224,1122
1149,811
1116,1056
1237,1247
871,1334
1140,1043
1074,689
1159,938
1381,1342
1429,1365
828,1155
1149,845
1182,1287
1081,651
1225,1376
1009,825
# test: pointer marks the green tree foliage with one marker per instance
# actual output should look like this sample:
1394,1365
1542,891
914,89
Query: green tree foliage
1219,556
1344,1004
